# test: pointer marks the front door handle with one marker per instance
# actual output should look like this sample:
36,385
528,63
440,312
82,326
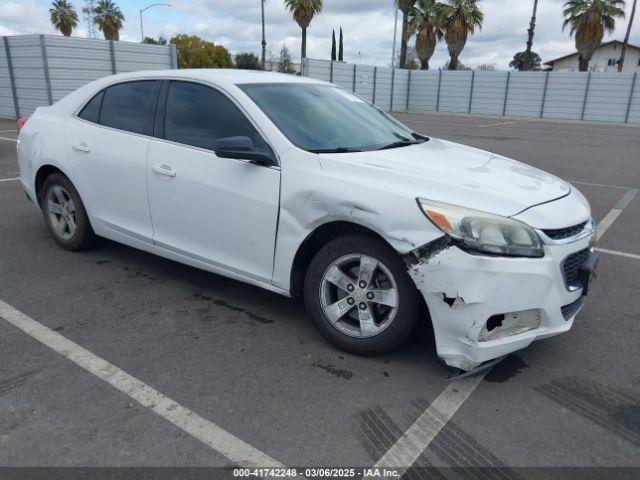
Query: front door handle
81,147
163,170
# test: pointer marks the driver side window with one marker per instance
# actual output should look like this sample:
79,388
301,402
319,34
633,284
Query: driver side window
199,115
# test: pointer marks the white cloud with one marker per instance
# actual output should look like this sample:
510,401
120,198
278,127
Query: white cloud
24,17
201,27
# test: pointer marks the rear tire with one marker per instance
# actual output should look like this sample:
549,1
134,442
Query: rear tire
360,296
65,215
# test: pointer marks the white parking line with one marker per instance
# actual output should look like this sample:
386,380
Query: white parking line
598,184
7,131
417,438
499,124
9,179
615,212
10,139
236,450
620,254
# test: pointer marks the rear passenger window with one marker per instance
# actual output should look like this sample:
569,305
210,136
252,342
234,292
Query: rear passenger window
126,106
91,110
199,115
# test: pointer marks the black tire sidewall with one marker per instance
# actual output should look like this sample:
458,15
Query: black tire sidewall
84,235
408,305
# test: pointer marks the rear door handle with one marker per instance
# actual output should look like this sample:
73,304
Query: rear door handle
81,147
163,170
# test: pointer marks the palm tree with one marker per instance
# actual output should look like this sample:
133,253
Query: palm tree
528,59
109,19
63,17
588,20
459,19
405,6
303,12
626,37
428,25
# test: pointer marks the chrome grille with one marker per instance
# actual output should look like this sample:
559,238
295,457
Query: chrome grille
562,233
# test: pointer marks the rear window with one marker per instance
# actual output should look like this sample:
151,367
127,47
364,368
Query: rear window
91,110
126,106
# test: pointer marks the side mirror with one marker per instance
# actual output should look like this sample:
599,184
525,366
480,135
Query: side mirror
242,148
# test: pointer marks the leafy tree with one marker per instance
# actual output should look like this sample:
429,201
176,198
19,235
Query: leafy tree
589,19
285,64
248,61
194,52
333,46
152,41
341,48
626,37
109,19
425,20
303,12
405,7
63,17
524,61
460,18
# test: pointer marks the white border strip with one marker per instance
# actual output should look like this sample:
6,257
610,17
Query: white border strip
236,450
10,139
9,179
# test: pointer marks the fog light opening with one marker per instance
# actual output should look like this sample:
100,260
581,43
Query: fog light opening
508,324
494,322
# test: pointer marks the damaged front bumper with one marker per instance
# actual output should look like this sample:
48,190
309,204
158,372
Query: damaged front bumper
484,307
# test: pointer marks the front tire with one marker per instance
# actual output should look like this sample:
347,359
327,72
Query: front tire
65,215
360,296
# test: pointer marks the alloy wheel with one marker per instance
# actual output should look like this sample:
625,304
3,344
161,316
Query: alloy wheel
62,212
359,296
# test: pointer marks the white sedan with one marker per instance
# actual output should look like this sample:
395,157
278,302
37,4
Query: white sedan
303,188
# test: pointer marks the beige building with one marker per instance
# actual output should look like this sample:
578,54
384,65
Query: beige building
605,59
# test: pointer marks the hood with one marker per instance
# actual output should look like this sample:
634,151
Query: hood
452,173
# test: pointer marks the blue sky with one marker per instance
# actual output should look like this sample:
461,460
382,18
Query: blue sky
367,24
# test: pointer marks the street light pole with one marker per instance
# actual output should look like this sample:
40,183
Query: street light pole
145,9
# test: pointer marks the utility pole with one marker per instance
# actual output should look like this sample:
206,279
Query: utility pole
626,37
532,27
89,5
264,41
395,35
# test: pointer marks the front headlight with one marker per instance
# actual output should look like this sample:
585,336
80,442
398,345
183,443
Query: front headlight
483,232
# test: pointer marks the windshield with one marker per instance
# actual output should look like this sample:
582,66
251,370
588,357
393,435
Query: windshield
324,118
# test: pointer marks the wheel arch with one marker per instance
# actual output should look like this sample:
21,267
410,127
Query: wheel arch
42,174
319,237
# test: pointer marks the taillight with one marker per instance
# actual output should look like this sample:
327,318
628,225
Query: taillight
21,122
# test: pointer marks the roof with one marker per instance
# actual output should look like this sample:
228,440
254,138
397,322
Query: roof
225,75
224,78
606,44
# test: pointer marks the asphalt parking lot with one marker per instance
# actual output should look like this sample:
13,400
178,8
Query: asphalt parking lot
241,360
